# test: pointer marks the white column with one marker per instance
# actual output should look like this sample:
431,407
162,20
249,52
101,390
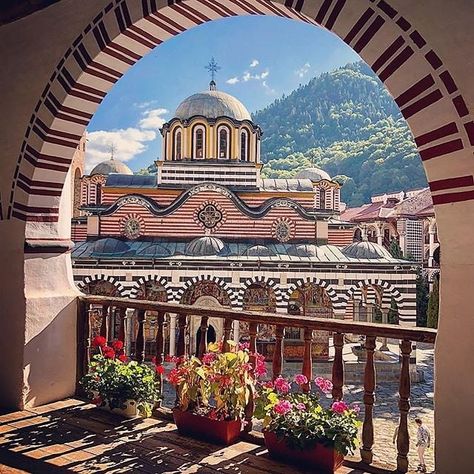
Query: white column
236,330
379,234
432,247
128,324
172,334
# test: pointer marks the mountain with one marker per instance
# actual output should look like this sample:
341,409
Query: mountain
345,122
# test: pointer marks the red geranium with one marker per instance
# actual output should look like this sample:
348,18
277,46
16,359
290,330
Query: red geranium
117,345
99,341
160,369
122,358
108,352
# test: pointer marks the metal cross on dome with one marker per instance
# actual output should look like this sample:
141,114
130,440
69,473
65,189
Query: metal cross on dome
213,67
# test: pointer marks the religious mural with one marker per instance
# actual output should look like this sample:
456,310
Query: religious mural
259,297
205,288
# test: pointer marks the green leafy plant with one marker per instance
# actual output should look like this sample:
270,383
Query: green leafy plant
220,384
301,419
112,380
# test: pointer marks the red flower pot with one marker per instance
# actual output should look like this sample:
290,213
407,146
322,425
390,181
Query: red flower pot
324,459
216,431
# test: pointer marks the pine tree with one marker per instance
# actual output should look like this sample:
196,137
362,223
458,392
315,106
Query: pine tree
395,249
422,297
433,305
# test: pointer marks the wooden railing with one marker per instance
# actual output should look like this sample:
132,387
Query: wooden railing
113,310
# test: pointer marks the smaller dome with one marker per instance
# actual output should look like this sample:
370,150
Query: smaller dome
154,250
314,174
305,250
110,246
366,250
111,166
258,251
204,247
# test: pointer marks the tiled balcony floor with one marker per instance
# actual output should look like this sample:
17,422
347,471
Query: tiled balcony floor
71,436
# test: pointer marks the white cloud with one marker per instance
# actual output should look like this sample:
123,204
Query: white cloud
256,77
152,119
268,89
303,70
127,142
232,80
247,76
145,105
265,74
254,63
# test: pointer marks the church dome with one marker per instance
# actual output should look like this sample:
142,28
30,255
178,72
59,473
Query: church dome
212,104
366,250
258,251
111,166
305,250
204,247
314,174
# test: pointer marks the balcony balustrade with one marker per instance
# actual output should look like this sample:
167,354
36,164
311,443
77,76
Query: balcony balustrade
113,313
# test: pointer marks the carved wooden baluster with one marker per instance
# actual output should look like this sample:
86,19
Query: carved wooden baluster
369,399
182,325
249,409
88,336
338,367
203,337
104,325
307,358
278,354
403,438
227,334
121,316
160,347
140,341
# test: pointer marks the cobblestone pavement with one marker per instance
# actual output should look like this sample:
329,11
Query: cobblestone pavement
386,407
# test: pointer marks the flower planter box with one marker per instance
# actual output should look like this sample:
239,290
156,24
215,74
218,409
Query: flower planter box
220,432
321,458
130,410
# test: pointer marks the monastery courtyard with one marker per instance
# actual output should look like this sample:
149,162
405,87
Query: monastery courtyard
72,436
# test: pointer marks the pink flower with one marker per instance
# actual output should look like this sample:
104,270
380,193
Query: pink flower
301,379
281,385
244,346
324,385
355,408
283,407
301,407
339,407
267,384
208,358
260,367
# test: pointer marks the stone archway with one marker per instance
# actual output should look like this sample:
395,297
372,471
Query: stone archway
411,49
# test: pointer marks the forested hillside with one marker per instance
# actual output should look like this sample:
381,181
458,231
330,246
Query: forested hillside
346,123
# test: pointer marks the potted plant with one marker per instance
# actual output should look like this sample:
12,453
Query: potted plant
119,385
299,429
213,392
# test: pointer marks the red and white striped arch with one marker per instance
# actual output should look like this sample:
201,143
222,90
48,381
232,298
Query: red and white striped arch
126,30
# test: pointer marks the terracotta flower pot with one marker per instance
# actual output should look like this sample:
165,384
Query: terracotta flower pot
216,431
323,459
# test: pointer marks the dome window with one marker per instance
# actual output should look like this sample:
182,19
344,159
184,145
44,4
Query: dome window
177,154
224,143
199,142
322,198
244,143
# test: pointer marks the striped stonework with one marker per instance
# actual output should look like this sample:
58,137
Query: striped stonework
125,30
101,277
162,281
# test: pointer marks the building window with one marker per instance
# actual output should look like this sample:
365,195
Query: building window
322,198
224,143
244,143
177,145
98,194
199,142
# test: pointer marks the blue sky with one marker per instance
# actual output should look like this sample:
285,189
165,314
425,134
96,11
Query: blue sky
261,58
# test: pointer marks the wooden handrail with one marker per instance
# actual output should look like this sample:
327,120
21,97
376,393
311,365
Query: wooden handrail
413,334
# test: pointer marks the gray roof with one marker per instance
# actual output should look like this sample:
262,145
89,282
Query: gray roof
313,174
212,104
111,166
269,184
131,181
213,248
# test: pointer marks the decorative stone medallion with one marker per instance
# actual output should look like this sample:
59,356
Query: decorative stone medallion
209,216
283,229
132,227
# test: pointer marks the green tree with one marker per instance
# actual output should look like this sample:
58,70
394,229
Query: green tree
395,249
422,297
433,305
393,312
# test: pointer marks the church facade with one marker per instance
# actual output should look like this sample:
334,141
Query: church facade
208,229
